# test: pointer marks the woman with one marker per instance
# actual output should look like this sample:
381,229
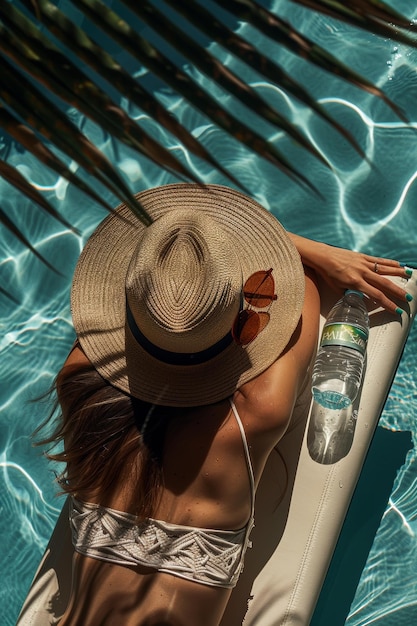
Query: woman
195,338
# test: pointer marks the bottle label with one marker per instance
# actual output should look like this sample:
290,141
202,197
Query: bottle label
339,334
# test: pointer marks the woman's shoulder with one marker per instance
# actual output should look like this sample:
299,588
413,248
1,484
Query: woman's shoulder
76,356
76,359
75,363
268,400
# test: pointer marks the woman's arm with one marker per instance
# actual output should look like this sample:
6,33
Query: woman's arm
345,269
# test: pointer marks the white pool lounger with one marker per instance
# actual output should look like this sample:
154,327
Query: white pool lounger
300,506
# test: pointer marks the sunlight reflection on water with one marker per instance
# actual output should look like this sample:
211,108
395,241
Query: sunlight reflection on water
368,209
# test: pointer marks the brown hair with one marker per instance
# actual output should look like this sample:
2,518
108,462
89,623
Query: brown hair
102,429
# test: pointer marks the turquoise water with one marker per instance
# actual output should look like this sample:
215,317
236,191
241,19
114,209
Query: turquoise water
373,210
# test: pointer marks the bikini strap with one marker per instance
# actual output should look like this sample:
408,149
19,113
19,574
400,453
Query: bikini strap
247,455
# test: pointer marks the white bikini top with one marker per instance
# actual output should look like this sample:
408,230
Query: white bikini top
203,555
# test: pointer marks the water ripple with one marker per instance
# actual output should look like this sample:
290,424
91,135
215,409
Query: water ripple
371,209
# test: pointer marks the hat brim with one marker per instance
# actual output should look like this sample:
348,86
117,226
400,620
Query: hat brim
98,299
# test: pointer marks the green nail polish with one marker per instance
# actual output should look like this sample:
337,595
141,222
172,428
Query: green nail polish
399,311
409,297
408,272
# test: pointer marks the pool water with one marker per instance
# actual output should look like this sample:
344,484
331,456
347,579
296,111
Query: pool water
369,209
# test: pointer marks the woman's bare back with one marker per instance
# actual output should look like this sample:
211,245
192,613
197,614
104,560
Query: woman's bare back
201,450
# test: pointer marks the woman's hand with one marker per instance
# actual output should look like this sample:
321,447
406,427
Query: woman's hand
345,269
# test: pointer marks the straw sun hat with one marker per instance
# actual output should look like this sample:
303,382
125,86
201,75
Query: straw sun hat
154,307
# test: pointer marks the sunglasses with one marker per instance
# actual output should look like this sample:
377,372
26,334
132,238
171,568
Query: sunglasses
258,291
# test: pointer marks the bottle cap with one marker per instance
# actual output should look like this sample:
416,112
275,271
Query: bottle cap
358,293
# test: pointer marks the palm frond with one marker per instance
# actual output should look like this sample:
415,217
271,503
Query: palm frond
281,31
211,66
162,67
41,50
43,60
216,31
9,295
108,68
40,113
28,139
15,178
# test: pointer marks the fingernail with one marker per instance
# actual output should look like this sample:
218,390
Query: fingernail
412,265
399,311
409,297
408,272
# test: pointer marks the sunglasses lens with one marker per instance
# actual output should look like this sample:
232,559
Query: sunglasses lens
259,289
246,327
263,320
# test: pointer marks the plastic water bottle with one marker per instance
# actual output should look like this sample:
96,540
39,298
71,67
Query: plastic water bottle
338,369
